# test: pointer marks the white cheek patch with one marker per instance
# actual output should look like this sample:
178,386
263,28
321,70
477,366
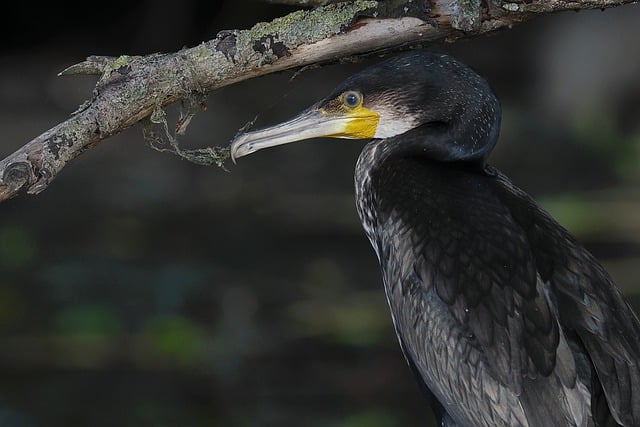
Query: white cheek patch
393,121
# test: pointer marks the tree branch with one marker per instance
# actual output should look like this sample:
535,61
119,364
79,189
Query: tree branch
130,88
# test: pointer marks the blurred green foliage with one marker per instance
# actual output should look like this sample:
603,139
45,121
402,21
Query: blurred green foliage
12,307
601,131
89,319
17,247
174,341
370,419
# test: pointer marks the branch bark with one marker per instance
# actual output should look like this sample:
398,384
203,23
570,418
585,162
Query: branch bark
130,88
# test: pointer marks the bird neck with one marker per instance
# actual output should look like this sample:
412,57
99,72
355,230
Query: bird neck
464,142
384,177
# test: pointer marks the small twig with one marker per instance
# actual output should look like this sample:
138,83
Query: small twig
208,156
302,70
94,65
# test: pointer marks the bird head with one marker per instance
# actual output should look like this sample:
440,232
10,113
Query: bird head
425,102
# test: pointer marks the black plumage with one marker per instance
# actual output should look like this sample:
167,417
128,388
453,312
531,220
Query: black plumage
504,318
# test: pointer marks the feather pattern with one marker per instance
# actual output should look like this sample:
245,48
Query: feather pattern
503,316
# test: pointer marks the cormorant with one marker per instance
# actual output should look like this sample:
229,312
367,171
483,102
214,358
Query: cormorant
503,317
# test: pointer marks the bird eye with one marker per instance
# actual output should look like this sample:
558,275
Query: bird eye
352,99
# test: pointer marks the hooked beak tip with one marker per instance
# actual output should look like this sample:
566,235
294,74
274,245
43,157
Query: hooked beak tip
238,148
232,154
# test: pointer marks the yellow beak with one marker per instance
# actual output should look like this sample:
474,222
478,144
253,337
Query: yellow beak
357,123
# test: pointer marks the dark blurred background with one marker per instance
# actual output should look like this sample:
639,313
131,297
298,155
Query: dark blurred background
142,290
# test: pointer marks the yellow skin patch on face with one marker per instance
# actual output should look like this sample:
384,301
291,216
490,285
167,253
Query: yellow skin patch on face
359,122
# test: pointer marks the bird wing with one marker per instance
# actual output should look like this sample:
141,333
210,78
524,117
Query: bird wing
592,306
468,303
